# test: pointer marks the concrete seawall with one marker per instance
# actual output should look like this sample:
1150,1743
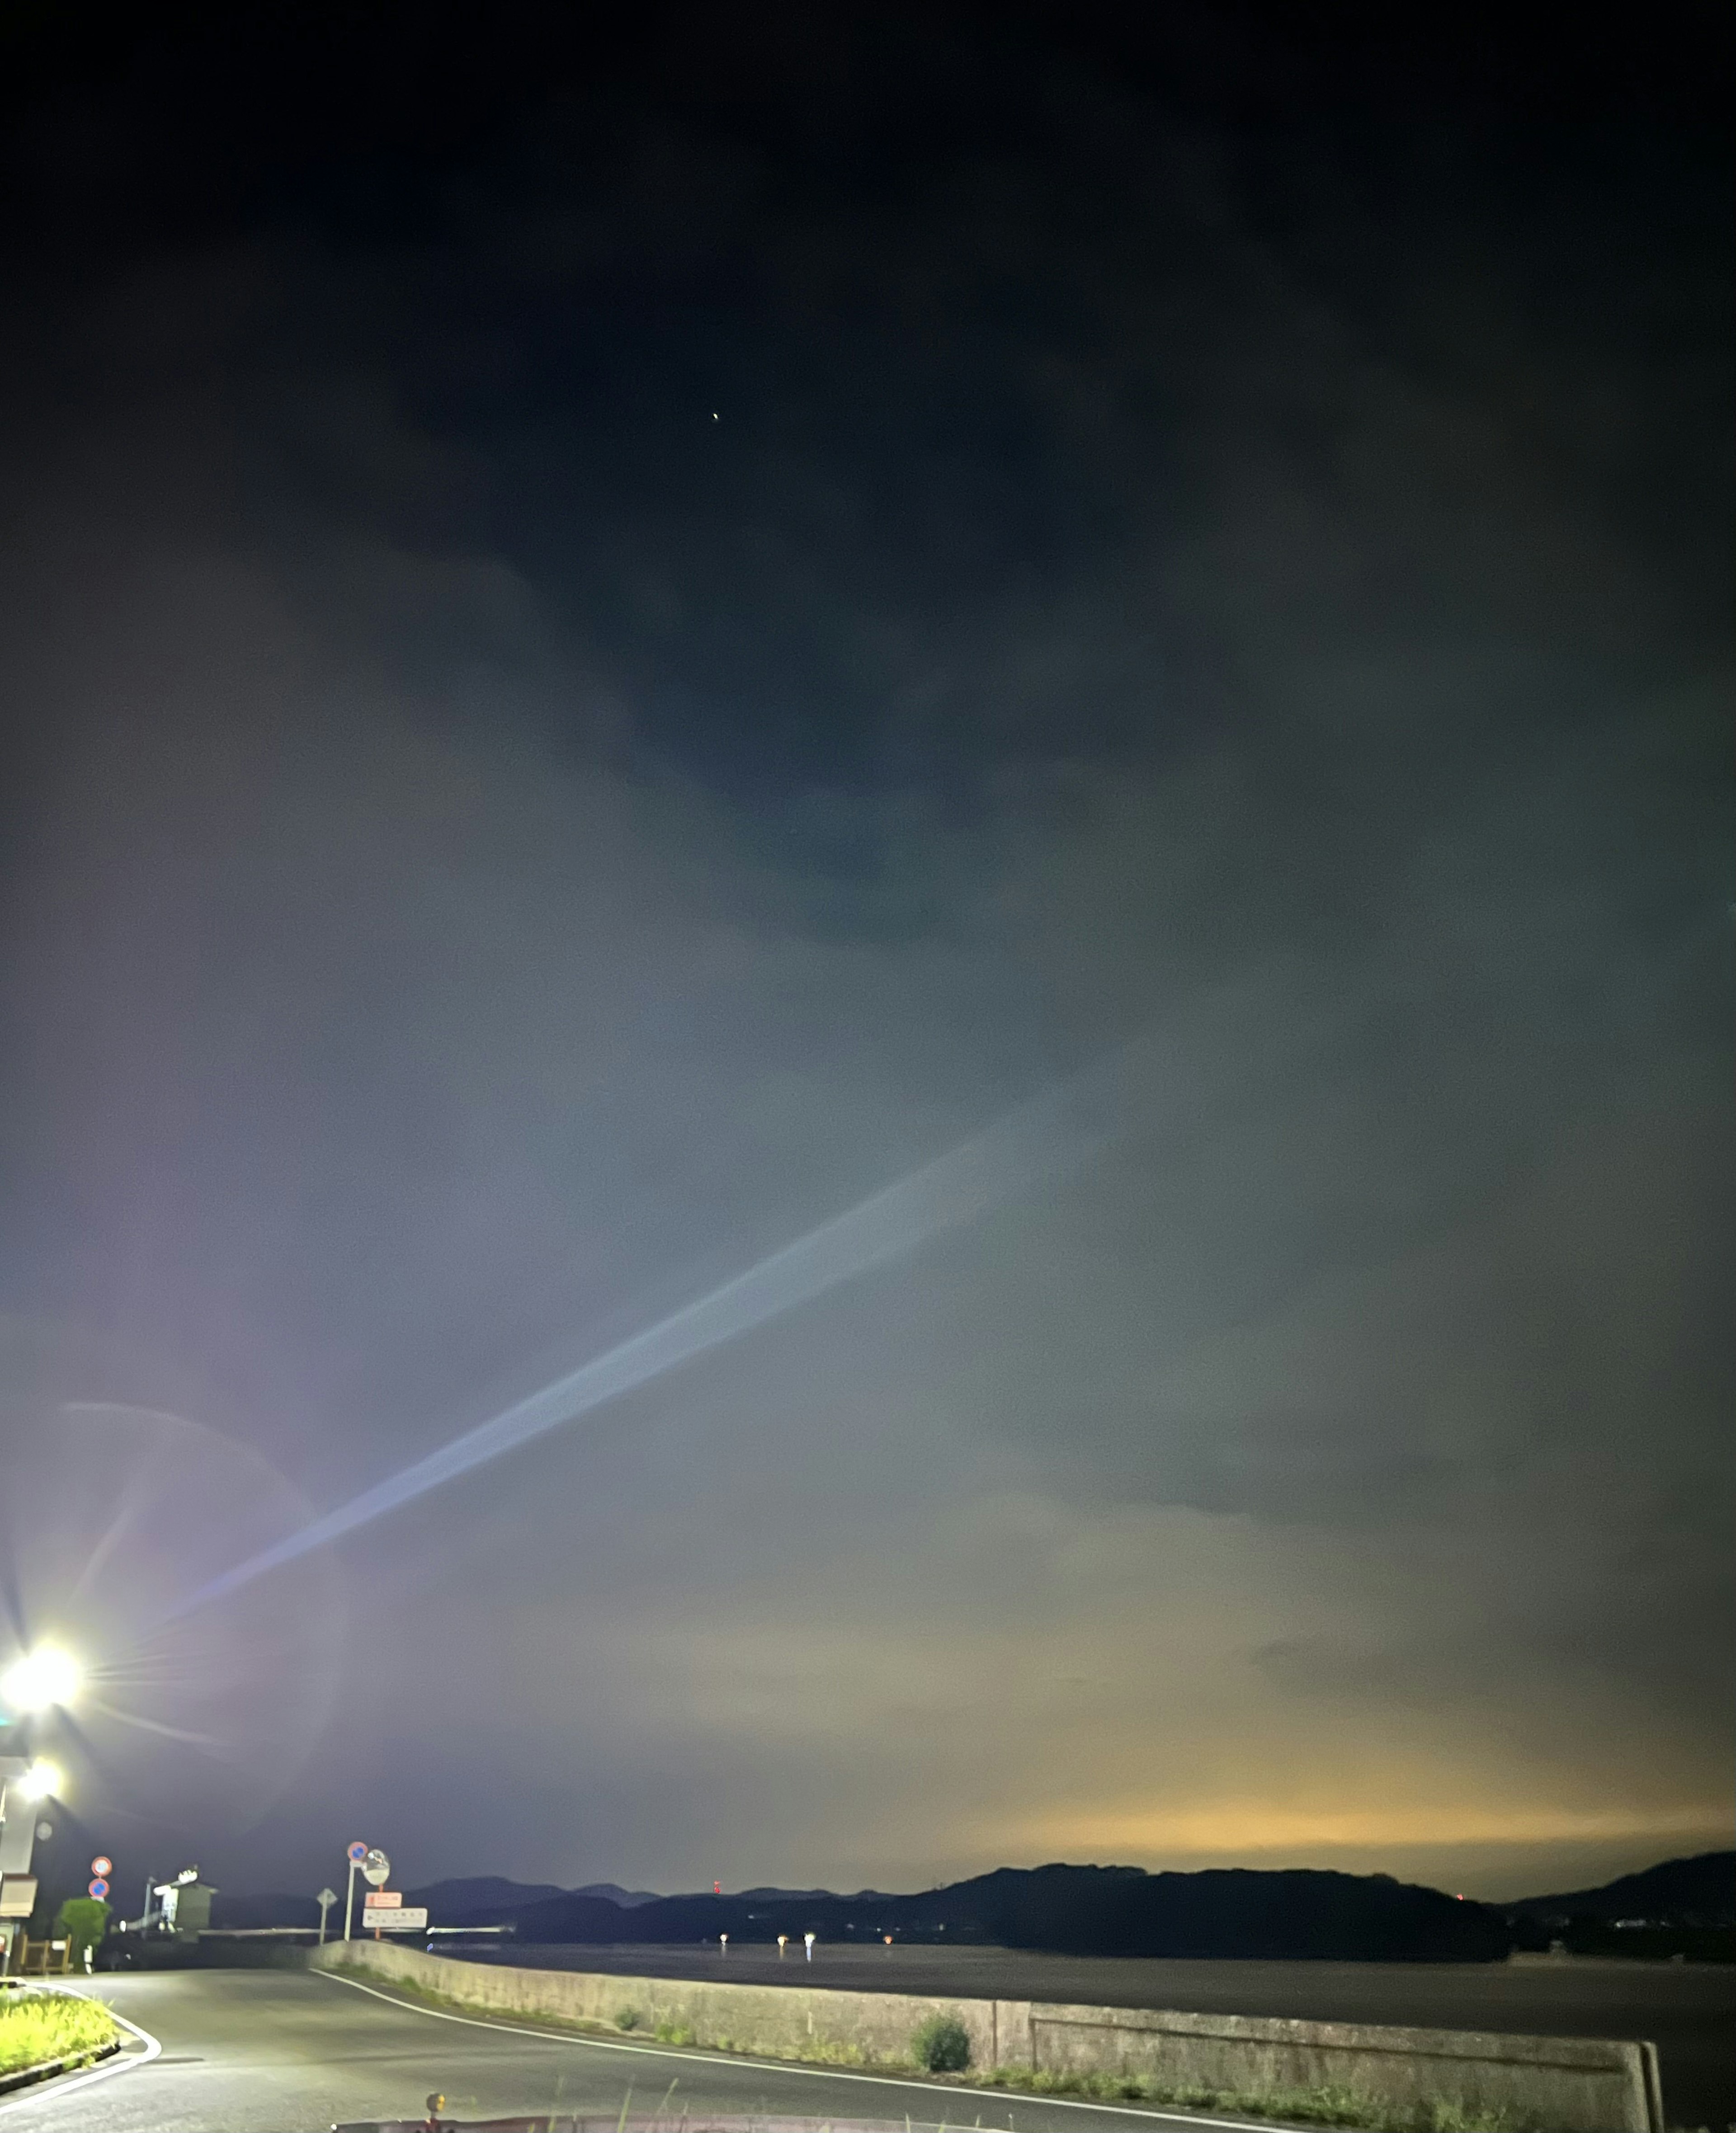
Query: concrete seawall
1562,2084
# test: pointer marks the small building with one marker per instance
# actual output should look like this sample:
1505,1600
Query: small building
183,1905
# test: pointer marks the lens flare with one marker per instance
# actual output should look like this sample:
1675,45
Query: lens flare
42,1781
40,1680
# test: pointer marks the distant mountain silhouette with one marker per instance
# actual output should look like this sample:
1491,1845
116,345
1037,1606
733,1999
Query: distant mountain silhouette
449,1902
1079,1910
248,1913
1074,1910
479,1900
1701,1891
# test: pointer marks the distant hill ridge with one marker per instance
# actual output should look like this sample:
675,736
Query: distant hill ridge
1095,1910
484,1890
1701,1891
477,1897
1086,1910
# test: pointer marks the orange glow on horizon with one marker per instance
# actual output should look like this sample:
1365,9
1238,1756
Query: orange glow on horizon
1257,1827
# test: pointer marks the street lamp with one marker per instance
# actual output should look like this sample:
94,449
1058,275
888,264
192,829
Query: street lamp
39,1781
41,1679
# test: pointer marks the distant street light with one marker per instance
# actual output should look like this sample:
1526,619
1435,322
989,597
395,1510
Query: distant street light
807,1942
723,1943
783,1943
41,1679
40,1780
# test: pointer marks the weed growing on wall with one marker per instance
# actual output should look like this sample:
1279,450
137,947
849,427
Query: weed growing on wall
941,2044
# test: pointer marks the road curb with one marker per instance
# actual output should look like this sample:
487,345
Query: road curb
46,2069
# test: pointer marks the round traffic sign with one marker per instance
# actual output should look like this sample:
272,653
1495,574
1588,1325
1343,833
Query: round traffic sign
357,1853
99,1887
99,1865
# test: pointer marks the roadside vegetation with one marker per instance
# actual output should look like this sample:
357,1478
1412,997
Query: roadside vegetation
83,1921
37,2028
942,2045
1304,2106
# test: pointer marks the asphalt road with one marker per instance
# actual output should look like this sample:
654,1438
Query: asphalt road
1687,2010
282,2051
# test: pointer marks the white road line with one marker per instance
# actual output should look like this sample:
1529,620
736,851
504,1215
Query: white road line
815,2073
51,2091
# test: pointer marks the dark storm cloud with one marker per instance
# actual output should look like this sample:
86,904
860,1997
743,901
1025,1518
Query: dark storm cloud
597,688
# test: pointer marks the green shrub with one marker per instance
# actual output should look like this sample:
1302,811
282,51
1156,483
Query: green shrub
672,2032
628,2018
941,2044
84,1920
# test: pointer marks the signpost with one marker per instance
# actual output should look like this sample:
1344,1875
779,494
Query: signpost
103,1866
325,1899
375,1867
386,1911
99,1886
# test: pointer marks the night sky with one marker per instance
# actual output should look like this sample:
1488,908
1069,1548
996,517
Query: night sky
614,632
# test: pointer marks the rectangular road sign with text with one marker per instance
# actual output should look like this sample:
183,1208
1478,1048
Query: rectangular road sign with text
17,1895
404,1920
382,1899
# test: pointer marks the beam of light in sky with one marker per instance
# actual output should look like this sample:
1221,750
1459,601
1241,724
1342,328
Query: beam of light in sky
1051,1134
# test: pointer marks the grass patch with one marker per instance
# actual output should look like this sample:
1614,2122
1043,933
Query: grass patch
1305,2106
37,2028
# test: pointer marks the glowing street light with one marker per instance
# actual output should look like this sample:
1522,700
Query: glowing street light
40,1780
41,1679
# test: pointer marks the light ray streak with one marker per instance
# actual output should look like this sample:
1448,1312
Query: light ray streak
133,1501
1052,1134
152,1724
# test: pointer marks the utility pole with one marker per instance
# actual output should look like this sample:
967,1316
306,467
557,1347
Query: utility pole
355,1855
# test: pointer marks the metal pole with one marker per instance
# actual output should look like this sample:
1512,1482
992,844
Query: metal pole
349,1898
